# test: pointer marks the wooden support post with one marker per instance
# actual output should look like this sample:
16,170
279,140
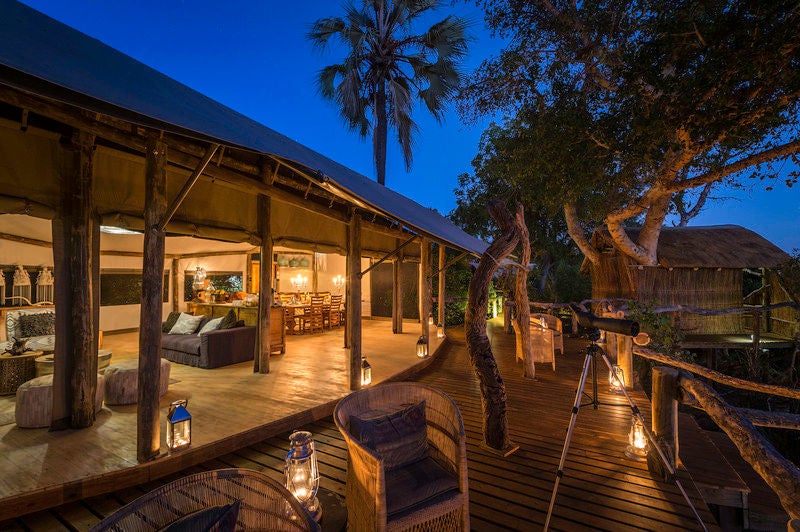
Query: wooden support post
353,296
441,294
62,362
425,288
155,207
397,295
261,363
665,419
625,358
177,285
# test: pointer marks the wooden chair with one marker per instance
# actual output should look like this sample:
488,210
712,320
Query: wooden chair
368,500
334,312
312,319
265,503
554,324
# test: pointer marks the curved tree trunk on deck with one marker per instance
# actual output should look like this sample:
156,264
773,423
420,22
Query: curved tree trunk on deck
522,317
493,391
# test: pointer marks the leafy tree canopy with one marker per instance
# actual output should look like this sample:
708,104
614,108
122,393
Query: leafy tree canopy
617,107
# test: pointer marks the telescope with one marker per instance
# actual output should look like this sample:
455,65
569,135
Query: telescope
587,319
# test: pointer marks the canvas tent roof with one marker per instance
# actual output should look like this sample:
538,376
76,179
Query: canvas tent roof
716,246
45,57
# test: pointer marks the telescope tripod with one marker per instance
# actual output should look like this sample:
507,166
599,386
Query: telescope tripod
592,353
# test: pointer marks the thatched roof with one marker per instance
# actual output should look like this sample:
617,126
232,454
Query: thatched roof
716,246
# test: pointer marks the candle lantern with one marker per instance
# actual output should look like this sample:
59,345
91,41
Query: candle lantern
366,372
44,286
637,441
439,332
430,318
422,347
302,475
616,379
21,289
179,426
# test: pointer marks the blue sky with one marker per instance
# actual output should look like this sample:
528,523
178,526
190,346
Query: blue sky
254,57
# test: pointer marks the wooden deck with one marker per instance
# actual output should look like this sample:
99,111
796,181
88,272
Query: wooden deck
600,490
231,407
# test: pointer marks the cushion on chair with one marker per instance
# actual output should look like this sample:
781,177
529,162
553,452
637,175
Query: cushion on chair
228,321
417,485
169,323
40,324
186,324
399,437
214,519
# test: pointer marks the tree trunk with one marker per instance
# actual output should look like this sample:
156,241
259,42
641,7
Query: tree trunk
781,475
379,135
493,391
523,314
578,235
148,439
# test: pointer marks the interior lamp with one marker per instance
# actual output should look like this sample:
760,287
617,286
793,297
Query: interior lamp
302,475
179,425
637,441
616,379
338,283
366,372
422,347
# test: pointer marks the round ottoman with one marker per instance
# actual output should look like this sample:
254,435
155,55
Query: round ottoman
34,406
122,382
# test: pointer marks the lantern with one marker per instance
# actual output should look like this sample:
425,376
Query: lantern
439,332
44,286
179,425
616,379
21,289
366,372
637,441
422,347
302,475
2,288
430,318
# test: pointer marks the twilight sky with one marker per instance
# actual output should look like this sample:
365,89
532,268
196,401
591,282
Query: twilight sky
254,58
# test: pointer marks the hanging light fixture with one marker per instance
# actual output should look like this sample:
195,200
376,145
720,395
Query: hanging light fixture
422,347
637,441
44,286
21,289
179,425
616,379
366,372
302,475
338,283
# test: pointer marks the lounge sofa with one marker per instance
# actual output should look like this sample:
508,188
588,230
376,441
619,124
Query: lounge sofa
14,330
221,347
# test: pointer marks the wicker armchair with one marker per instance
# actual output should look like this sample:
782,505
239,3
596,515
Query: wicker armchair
554,324
265,504
368,501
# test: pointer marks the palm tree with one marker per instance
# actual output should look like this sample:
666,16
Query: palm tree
386,65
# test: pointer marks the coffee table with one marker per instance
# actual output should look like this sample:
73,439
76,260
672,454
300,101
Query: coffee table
44,364
16,369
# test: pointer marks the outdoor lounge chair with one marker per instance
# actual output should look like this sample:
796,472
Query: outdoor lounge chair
263,504
385,492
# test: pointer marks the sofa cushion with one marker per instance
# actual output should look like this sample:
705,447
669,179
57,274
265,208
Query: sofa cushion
399,437
228,321
186,324
417,485
210,325
169,323
40,324
186,343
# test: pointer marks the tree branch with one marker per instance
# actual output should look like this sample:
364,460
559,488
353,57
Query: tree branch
577,233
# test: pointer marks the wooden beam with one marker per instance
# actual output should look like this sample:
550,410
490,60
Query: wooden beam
62,361
177,285
664,419
261,361
155,205
397,295
389,255
425,288
353,296
441,294
187,186
26,240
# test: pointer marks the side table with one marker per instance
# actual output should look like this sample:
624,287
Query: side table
16,369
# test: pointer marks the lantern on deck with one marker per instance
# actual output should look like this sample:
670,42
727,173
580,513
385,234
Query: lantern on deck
616,379
439,332
637,441
430,318
366,372
302,475
422,347
179,426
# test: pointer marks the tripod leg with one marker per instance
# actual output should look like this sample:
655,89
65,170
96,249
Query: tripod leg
574,416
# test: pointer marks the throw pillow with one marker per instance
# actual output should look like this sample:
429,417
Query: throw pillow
39,324
228,321
170,322
211,325
186,324
400,438
214,519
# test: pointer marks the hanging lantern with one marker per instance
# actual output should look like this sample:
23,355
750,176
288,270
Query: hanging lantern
179,425
21,289
302,475
616,379
44,286
422,347
439,332
366,372
637,441
2,288
430,318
